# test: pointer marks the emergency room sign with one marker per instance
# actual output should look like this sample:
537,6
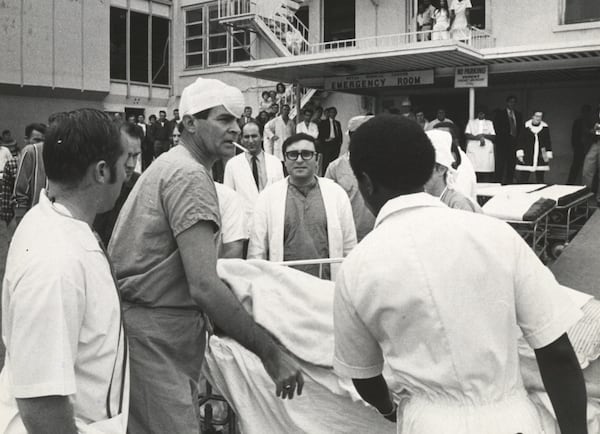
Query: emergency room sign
390,79
471,76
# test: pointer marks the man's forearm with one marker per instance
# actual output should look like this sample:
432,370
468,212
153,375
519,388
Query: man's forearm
229,315
375,392
564,384
47,415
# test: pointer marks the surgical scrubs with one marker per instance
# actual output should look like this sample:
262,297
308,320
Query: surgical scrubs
166,328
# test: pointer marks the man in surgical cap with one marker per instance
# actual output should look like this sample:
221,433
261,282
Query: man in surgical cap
164,252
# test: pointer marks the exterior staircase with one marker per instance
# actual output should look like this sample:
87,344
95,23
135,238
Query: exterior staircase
277,23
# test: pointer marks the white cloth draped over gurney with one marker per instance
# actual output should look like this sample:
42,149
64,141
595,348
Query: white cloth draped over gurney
297,309
585,338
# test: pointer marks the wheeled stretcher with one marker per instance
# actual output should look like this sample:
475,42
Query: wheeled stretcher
297,310
545,215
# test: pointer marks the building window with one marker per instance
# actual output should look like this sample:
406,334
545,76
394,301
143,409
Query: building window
209,43
477,14
118,44
148,43
581,11
339,20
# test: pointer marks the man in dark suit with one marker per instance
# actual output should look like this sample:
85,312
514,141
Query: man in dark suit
246,117
330,137
508,124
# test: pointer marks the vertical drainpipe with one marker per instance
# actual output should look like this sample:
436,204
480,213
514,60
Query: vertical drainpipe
82,47
21,56
53,30
150,49
128,48
171,52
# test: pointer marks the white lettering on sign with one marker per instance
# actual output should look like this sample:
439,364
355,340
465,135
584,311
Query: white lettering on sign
471,76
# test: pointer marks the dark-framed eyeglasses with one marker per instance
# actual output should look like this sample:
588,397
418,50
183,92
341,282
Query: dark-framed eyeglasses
306,155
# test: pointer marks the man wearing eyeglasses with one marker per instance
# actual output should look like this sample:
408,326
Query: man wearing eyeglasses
303,216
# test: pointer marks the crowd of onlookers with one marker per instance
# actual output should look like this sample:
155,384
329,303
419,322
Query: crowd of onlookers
506,147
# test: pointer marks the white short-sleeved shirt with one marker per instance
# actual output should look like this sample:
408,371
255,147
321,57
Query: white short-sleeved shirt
312,129
61,322
233,215
438,293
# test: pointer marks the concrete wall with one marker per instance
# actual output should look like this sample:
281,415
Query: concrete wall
529,22
380,17
46,46
17,111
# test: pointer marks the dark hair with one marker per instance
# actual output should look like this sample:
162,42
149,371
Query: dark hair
481,109
35,126
511,97
5,132
161,111
84,137
131,129
295,139
151,117
247,107
394,151
265,92
175,110
180,127
279,84
56,117
455,133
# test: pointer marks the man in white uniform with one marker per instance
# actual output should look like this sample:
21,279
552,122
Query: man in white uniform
250,172
66,361
427,292
277,130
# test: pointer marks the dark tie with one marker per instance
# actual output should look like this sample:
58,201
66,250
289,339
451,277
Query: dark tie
513,124
255,171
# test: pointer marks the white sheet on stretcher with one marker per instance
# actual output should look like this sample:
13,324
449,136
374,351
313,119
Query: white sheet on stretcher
298,310
492,190
555,192
509,207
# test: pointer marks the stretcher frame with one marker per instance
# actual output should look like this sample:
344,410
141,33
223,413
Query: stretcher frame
207,418
569,229
534,232
320,262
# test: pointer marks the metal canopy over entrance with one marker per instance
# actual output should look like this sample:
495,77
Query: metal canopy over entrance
539,64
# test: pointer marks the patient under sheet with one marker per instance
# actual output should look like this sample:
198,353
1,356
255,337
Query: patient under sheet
297,309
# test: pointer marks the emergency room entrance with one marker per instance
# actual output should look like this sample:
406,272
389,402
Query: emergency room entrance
455,102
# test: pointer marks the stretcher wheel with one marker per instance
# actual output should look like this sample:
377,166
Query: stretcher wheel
555,249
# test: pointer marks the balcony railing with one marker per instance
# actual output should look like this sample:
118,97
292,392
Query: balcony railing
477,39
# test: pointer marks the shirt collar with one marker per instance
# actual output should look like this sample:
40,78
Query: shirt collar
407,201
259,157
79,229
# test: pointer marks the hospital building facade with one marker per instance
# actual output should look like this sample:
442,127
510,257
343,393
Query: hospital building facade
136,57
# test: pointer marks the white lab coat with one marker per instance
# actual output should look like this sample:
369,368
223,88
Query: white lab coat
238,176
266,237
